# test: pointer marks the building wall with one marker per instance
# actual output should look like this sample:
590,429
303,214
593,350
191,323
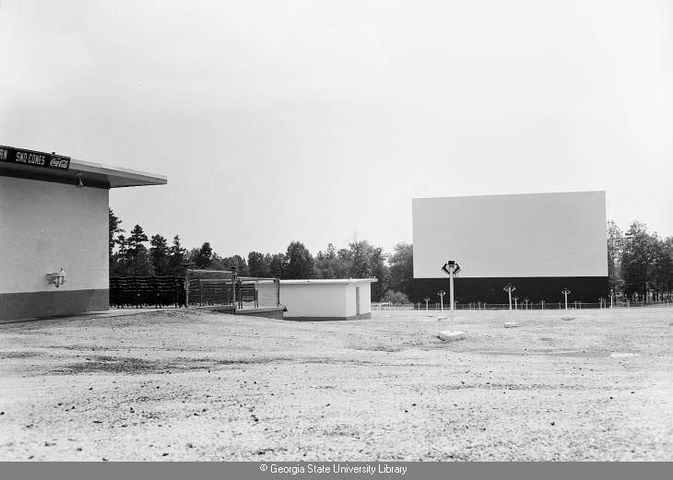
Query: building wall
45,226
365,299
316,301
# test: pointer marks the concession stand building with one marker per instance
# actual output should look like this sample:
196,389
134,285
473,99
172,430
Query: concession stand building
54,232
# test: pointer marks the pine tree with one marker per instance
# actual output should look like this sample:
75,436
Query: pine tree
138,257
159,254
177,256
114,229
204,257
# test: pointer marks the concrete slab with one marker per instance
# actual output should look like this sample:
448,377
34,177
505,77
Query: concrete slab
451,336
623,355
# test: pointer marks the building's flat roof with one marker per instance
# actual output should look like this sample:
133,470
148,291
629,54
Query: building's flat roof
117,177
91,174
529,194
328,281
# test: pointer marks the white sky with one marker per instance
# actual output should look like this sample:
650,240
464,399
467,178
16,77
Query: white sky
319,121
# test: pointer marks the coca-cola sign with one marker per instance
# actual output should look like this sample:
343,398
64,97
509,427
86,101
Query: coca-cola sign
32,158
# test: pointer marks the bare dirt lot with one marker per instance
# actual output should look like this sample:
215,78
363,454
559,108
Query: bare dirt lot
181,385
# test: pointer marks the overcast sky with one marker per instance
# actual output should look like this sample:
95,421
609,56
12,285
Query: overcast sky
321,120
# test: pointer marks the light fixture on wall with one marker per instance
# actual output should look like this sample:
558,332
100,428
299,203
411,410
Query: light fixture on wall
80,184
57,278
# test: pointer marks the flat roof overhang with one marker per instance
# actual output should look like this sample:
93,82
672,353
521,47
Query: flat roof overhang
91,175
328,281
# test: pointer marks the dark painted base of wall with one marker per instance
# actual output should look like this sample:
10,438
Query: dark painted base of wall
490,290
55,303
266,312
362,316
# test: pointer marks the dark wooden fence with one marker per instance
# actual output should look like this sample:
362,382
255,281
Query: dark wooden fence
203,288
147,291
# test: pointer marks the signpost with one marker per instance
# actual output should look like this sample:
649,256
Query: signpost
33,158
565,293
452,268
509,288
441,294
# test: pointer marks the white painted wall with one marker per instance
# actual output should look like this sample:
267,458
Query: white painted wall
532,235
314,300
365,299
319,298
45,226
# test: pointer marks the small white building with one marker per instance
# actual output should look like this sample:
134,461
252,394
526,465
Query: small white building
54,232
327,299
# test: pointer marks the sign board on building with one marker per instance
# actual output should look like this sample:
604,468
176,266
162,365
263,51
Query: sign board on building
34,159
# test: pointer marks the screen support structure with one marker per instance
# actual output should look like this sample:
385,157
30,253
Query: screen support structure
565,293
452,268
509,288
441,294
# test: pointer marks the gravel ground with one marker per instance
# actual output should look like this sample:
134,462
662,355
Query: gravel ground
180,385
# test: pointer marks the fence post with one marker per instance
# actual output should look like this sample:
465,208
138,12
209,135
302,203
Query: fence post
186,288
277,283
233,287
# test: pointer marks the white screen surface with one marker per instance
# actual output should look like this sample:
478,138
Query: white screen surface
530,235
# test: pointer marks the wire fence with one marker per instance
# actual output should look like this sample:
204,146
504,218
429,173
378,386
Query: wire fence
601,304
266,292
217,287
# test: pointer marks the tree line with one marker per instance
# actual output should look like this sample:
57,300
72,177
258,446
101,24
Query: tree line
640,263
136,254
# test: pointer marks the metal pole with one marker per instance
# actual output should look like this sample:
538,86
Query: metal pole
453,307
509,292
